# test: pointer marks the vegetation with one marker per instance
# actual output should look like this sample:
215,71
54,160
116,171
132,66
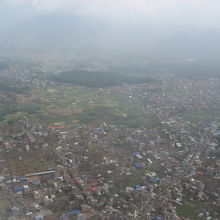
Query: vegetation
174,69
205,115
4,113
98,79
108,115
63,105
188,211
5,86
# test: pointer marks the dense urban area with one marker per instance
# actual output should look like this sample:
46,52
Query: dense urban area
143,148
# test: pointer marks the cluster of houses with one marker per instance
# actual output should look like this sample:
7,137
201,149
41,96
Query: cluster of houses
100,171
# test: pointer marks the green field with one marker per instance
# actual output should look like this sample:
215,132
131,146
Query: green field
188,211
64,105
204,115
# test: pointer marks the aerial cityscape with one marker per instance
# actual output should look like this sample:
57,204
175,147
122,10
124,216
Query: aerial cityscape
95,126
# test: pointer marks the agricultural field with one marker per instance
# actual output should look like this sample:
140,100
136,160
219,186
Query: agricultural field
206,115
60,106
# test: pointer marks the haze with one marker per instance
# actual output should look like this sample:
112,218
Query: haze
102,31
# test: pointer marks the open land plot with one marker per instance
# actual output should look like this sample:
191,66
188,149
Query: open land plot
203,115
31,162
64,105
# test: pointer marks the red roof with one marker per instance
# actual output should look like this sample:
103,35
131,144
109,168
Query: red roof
79,180
93,189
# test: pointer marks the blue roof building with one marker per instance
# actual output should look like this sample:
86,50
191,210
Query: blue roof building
72,212
137,165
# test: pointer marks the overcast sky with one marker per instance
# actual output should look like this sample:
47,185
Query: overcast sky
189,12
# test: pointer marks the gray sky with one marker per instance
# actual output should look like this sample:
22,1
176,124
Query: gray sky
188,12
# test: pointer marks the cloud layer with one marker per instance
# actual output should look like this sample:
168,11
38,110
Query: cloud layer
195,12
